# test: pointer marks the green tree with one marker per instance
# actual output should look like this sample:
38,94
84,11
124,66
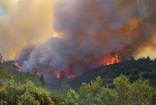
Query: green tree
106,97
14,93
124,93
42,80
72,98
28,99
139,92
89,91
65,89
122,86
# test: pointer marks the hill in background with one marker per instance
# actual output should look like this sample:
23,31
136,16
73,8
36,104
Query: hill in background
93,87
143,67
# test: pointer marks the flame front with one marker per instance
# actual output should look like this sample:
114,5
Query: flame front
114,59
109,59
106,60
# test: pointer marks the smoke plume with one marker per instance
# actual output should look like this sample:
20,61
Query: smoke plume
90,30
24,22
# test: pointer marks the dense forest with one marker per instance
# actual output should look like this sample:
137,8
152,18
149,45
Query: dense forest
19,88
130,82
134,69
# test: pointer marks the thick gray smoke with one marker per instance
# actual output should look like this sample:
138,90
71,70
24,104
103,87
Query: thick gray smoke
90,30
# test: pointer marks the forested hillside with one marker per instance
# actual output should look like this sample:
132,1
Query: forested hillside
130,82
18,88
143,67
103,85
124,93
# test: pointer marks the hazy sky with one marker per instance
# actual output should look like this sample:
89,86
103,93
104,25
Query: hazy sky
24,22
30,22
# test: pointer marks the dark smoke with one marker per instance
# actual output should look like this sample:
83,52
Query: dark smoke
90,30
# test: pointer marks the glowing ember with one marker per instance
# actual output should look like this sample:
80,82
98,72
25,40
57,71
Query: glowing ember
16,64
58,76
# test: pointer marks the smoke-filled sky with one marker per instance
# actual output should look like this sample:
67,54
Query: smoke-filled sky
24,22
85,31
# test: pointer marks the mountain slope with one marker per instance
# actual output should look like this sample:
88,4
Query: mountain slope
143,67
18,88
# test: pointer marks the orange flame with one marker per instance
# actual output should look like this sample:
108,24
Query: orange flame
16,64
114,60
108,59
66,73
58,76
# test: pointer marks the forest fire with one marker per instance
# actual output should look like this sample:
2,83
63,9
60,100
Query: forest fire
109,59
97,34
114,59
58,75
16,64
66,73
71,76
37,73
32,73
106,60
